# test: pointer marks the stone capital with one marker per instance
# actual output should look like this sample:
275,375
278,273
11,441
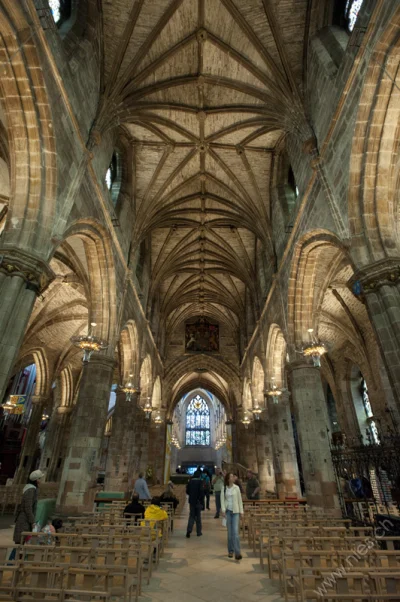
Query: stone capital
385,272
35,271
39,400
64,410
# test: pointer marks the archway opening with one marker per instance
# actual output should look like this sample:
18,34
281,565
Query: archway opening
200,435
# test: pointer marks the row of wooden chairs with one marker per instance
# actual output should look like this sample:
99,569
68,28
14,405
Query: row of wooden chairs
324,560
97,556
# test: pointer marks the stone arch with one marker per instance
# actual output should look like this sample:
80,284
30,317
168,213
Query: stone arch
146,378
247,401
373,193
156,400
67,387
31,140
129,351
316,257
38,357
101,270
276,355
201,363
258,382
198,383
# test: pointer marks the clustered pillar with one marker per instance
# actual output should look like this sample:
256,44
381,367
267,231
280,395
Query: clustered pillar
126,415
56,442
381,289
22,278
285,460
31,443
311,417
79,477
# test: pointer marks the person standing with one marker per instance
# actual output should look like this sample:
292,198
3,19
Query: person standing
195,491
25,516
141,488
232,509
218,485
252,486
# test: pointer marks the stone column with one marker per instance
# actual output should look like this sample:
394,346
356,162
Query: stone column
380,287
57,438
138,461
79,476
22,278
122,442
31,443
285,460
264,454
156,452
311,416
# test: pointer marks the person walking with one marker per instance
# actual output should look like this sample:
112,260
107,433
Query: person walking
232,509
218,485
25,516
207,487
252,486
195,491
141,488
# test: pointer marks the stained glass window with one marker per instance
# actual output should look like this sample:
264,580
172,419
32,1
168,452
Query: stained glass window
55,7
197,422
352,9
368,410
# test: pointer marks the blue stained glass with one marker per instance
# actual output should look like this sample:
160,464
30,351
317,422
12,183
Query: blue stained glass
198,422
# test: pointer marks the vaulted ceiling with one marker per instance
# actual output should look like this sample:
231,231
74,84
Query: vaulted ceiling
205,89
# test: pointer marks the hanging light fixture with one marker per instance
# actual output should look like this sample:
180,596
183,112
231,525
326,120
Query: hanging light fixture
274,392
158,420
147,409
246,420
130,389
256,410
89,343
315,349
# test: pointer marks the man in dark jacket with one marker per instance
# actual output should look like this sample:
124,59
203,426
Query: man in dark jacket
134,507
195,491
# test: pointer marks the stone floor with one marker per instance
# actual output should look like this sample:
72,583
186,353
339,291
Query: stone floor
199,570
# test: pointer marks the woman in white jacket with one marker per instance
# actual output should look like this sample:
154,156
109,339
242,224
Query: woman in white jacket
232,508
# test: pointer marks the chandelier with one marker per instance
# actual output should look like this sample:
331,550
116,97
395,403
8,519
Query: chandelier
158,420
246,420
89,343
147,409
175,441
315,349
130,389
256,411
220,442
274,392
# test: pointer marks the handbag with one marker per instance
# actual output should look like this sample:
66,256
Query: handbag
224,522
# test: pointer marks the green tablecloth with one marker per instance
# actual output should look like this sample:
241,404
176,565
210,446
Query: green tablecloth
116,495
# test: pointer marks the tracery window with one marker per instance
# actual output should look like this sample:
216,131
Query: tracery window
351,12
198,422
55,7
368,410
61,10
113,177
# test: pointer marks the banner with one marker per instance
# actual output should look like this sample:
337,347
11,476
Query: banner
16,404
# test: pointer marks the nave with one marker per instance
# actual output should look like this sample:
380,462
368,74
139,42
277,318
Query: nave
199,570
